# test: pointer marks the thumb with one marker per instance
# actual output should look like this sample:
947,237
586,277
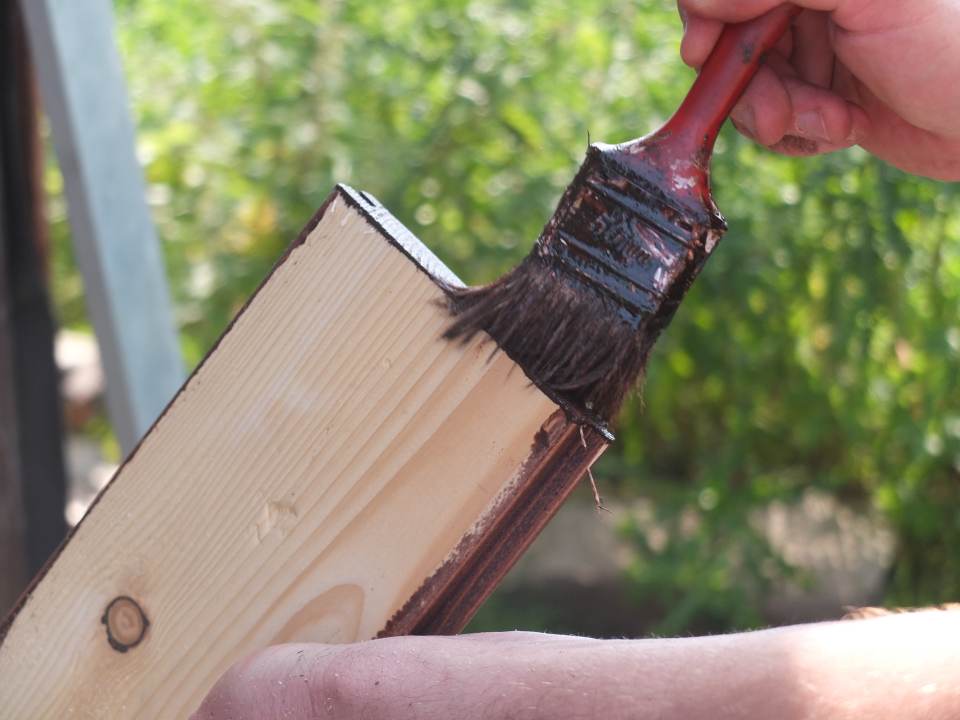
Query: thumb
729,11
740,10
703,21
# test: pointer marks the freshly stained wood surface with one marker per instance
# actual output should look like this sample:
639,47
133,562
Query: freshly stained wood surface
331,459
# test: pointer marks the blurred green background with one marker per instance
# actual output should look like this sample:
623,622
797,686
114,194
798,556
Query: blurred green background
820,348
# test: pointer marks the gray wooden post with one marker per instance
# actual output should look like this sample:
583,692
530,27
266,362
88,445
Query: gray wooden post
84,94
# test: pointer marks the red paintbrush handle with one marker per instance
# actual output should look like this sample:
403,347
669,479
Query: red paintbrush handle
725,75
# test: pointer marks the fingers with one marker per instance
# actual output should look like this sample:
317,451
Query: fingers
810,35
792,116
703,21
699,37
701,34
812,55
728,11
790,105
765,112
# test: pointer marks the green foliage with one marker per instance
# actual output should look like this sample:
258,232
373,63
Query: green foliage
819,348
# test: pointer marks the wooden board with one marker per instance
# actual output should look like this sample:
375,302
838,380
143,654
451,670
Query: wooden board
333,470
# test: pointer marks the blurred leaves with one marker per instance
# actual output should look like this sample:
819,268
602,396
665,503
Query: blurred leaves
819,348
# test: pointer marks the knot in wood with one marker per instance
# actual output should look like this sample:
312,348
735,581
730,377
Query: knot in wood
126,623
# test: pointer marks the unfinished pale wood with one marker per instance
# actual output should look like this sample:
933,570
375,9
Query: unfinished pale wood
324,461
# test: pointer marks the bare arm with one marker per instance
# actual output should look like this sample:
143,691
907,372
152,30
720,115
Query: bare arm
902,667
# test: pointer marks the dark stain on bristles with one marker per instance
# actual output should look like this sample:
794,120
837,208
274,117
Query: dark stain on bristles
581,313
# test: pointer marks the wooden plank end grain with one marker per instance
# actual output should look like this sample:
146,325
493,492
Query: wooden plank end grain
332,471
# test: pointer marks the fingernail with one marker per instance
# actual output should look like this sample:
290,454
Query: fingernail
810,124
746,122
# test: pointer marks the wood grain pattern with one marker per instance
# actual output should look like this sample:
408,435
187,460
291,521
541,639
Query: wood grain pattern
331,459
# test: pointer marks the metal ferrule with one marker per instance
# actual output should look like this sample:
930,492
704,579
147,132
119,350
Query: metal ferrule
617,233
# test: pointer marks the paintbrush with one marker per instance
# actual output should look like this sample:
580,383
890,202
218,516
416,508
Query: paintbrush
633,230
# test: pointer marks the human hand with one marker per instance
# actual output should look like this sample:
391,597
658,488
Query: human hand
878,73
905,667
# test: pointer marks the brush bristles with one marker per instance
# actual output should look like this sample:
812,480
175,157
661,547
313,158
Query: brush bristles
568,337
582,311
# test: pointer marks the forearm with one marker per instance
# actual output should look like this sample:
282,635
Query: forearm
900,667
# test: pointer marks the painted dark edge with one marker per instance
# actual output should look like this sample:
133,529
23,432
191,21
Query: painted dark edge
399,235
443,605
11,615
410,245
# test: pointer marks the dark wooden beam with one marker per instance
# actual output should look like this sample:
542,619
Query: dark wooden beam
13,552
36,397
